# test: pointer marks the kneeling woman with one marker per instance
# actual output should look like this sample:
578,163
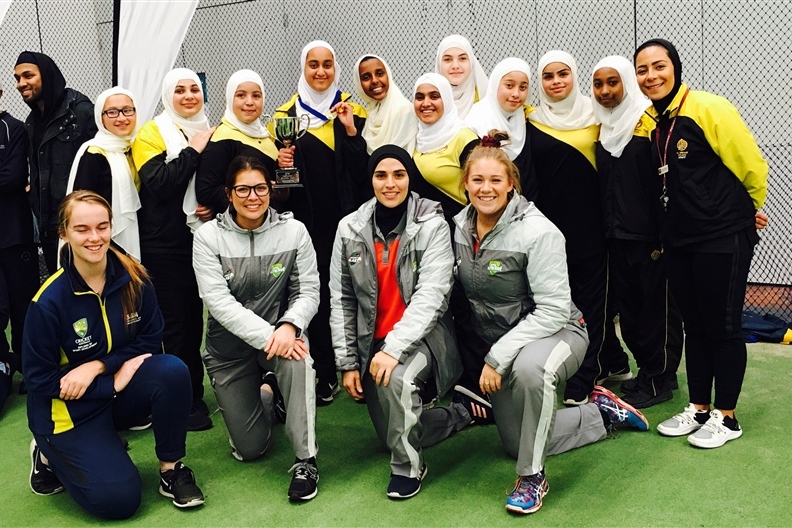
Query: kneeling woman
256,272
93,365
512,265
390,280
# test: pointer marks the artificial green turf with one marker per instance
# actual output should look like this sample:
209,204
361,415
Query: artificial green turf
638,479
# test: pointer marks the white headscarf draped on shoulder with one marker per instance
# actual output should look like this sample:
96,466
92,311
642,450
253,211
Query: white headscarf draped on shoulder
124,194
618,124
254,129
465,93
390,121
320,102
487,114
433,137
572,113
173,128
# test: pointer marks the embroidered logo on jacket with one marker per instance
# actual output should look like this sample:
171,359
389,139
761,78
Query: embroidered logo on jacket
354,258
80,327
228,275
132,318
494,267
682,146
277,270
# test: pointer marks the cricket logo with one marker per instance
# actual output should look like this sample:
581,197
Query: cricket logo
80,327
354,258
277,270
682,151
494,267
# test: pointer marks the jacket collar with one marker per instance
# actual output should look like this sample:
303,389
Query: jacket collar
226,221
115,276
673,107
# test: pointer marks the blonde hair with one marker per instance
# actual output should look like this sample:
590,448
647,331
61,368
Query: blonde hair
489,148
131,292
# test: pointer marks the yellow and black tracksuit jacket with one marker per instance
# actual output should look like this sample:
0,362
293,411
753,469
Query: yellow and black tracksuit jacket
717,177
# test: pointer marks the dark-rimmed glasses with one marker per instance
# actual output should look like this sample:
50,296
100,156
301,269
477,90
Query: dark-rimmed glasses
243,191
112,113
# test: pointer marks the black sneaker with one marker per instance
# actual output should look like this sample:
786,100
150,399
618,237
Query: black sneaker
280,405
479,409
304,480
402,487
179,485
42,480
141,425
325,390
632,385
641,399
199,417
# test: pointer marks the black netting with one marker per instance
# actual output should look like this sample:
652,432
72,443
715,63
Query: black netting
739,49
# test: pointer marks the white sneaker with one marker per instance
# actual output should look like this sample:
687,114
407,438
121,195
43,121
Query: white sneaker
684,423
714,433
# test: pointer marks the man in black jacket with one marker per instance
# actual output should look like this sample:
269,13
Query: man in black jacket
18,253
61,119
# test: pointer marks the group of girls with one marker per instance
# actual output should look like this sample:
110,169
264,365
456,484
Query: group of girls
536,232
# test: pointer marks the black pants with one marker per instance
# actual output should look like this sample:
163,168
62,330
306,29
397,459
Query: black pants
319,330
708,282
173,278
589,282
19,281
651,324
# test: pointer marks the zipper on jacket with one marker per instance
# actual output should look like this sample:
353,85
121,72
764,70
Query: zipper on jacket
102,307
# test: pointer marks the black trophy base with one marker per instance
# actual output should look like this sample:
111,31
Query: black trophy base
287,178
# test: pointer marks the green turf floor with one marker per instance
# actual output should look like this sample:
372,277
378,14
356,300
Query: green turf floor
638,479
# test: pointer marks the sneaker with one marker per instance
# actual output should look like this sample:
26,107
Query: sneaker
528,493
619,412
199,417
479,409
42,480
142,425
179,485
717,431
632,384
641,399
325,390
622,374
304,480
402,487
280,405
688,421
573,401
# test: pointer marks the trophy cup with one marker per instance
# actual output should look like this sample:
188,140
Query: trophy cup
287,131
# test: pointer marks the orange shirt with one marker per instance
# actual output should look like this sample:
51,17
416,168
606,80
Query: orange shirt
390,305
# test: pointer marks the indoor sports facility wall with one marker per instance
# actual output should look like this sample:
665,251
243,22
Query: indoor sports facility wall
739,49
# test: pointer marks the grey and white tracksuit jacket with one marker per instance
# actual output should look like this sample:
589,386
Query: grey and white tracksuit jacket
422,341
518,289
251,282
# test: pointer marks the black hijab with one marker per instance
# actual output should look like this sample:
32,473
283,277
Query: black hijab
53,83
662,104
387,218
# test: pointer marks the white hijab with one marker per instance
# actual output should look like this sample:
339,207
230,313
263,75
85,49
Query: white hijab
574,112
390,121
124,194
487,114
465,93
433,137
619,123
318,101
171,125
255,129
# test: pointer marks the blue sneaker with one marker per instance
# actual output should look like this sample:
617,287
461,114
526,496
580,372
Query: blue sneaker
619,412
527,494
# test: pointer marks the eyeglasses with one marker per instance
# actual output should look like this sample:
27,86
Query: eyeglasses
243,191
112,113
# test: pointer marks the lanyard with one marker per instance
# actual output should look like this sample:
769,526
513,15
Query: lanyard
663,169
313,111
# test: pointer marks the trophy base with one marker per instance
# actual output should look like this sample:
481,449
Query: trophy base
287,178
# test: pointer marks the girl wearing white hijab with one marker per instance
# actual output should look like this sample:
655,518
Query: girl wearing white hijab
331,158
650,321
166,152
104,165
442,144
565,188
390,119
456,62
240,133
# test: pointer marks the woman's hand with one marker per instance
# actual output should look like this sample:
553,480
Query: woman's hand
351,382
344,113
381,367
281,342
74,384
124,375
200,139
286,157
203,212
299,350
490,381
761,220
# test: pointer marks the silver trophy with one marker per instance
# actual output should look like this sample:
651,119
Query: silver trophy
287,131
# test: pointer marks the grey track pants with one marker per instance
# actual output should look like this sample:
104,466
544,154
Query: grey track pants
236,382
525,411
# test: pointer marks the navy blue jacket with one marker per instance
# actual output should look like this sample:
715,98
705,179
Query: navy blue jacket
14,203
